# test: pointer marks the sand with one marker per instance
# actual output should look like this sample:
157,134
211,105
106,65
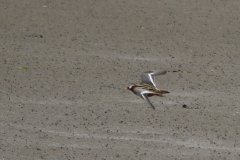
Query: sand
65,64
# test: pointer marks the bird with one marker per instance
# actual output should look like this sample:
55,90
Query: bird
147,88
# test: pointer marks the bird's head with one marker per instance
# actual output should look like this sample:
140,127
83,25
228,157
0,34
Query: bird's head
130,87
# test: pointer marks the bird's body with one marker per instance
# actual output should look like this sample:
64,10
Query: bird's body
147,88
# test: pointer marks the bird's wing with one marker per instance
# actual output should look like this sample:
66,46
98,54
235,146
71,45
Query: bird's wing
146,98
147,77
144,94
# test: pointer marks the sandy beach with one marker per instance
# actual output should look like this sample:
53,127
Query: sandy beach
65,64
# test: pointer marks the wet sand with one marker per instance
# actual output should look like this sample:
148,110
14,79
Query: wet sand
71,104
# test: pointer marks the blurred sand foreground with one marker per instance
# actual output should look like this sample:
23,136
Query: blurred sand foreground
70,103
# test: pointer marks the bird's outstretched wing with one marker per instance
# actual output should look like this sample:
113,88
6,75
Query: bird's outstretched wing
148,101
144,94
148,76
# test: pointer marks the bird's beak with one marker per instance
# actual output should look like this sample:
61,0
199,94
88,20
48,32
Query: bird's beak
125,88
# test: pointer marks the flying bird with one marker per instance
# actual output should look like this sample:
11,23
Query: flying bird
147,88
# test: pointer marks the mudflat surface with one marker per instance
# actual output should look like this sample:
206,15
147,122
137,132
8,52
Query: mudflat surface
70,102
